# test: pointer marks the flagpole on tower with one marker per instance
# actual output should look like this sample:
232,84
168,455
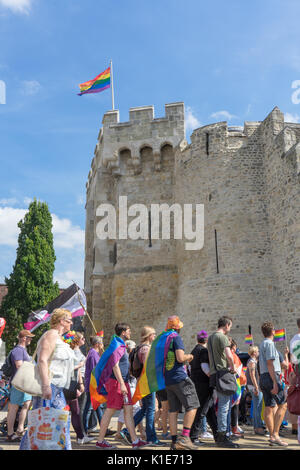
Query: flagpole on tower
112,86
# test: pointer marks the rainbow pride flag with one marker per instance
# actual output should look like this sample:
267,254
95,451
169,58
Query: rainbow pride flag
99,83
249,339
279,335
152,376
102,372
237,395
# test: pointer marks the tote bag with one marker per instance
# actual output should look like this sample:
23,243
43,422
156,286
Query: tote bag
27,378
293,396
47,428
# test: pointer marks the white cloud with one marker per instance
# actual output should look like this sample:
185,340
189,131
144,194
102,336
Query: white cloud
80,200
66,278
288,117
11,201
31,87
68,245
27,200
65,234
9,231
191,122
17,6
223,115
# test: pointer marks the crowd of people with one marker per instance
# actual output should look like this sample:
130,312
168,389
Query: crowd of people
206,386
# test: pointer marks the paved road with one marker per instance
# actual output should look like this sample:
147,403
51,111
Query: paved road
249,442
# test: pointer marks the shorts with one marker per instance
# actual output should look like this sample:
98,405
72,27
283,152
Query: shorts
16,397
115,398
266,385
182,394
161,395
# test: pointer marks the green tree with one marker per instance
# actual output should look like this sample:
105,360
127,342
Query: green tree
30,285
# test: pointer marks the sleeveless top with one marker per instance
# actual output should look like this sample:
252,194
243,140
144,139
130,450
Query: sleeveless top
249,381
61,364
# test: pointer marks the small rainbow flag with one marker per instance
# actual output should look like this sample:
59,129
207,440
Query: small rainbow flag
249,339
279,335
152,376
99,83
102,372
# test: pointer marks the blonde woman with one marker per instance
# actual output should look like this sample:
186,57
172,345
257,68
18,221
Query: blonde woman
55,359
253,387
148,403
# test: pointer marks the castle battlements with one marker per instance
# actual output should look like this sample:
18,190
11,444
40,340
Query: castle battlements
142,130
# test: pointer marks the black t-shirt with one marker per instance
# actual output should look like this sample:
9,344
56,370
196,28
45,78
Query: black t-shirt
200,354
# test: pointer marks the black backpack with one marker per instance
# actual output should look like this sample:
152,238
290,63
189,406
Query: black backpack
7,368
136,366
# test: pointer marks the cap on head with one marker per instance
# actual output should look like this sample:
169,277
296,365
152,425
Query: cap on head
174,323
202,334
25,333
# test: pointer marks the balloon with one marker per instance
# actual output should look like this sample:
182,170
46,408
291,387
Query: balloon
2,325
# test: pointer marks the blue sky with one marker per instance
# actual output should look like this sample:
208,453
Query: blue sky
230,61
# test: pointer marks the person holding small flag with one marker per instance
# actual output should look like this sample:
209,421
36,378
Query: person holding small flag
252,376
271,384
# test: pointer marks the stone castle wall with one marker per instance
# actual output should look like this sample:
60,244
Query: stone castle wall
132,280
248,181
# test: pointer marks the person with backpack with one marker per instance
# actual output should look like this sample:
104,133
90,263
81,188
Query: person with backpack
17,398
137,359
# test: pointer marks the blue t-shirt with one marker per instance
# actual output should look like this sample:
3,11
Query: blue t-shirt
19,353
268,351
124,368
175,371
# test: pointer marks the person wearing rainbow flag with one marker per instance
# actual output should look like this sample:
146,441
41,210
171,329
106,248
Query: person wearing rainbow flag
110,383
271,385
164,369
181,391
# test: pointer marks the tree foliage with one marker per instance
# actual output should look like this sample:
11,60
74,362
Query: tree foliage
30,285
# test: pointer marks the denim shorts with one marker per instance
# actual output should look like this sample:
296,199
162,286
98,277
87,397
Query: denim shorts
18,398
182,394
266,385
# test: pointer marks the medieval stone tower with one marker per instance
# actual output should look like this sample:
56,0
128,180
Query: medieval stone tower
248,180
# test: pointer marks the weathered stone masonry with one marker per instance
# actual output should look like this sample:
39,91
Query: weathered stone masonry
247,179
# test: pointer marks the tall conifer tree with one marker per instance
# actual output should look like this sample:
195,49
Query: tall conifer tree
30,285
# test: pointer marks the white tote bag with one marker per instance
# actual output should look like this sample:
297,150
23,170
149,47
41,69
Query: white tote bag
27,378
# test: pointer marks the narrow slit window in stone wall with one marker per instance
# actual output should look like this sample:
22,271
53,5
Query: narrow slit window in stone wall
207,143
217,254
115,254
149,229
94,257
